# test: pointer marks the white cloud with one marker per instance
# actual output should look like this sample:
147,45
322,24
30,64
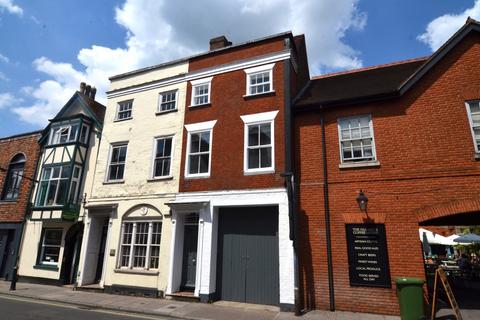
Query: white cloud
158,31
4,59
10,7
3,77
442,28
8,100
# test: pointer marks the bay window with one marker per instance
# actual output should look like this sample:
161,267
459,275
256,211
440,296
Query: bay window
53,186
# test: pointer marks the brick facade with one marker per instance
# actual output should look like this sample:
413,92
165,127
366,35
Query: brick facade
228,104
427,170
9,147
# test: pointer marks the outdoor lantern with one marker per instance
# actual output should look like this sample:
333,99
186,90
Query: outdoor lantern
362,201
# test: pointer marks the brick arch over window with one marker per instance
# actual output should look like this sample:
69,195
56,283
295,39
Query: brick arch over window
462,207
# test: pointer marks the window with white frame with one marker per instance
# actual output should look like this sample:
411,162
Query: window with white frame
259,79
140,246
167,101
116,165
259,146
163,157
124,110
356,139
74,185
198,157
50,249
473,109
53,186
201,91
64,134
259,142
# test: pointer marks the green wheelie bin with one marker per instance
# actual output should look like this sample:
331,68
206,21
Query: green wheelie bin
410,298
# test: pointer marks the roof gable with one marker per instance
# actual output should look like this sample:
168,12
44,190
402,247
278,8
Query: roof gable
81,104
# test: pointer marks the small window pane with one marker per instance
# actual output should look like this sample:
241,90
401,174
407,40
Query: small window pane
266,157
194,143
265,134
205,142
253,135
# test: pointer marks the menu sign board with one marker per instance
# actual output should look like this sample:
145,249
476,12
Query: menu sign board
367,255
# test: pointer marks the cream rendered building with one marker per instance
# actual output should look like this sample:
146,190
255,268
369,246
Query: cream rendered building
127,234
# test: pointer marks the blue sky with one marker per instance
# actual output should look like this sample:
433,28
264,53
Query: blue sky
47,47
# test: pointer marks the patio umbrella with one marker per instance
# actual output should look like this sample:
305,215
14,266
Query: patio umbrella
468,238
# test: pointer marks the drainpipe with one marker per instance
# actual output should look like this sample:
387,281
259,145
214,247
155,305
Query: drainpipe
326,205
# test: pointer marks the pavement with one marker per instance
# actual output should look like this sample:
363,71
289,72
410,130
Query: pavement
170,308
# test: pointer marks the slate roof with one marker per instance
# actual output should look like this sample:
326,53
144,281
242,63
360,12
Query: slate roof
97,108
364,83
376,82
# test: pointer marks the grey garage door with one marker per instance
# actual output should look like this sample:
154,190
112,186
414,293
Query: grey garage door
248,255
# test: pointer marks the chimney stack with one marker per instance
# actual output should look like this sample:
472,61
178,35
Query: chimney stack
219,42
87,90
82,87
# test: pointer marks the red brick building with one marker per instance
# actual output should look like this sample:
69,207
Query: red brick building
236,146
18,162
407,135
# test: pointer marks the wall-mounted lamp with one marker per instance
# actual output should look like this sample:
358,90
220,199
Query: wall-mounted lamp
362,201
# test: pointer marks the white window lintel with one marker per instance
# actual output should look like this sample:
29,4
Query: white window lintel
201,81
200,126
266,67
259,117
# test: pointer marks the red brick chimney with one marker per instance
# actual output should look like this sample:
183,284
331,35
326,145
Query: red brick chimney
219,42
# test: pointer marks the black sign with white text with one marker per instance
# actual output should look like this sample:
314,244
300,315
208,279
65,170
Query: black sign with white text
367,255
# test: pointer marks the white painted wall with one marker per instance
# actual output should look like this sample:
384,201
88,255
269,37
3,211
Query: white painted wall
206,270
138,188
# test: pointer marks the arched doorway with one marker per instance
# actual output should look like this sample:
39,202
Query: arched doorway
71,253
440,224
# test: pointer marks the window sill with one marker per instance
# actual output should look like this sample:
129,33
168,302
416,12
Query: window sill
160,179
120,120
158,113
203,176
46,267
257,95
200,105
137,271
252,173
114,182
8,201
351,165
476,156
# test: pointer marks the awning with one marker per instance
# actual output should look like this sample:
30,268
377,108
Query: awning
435,238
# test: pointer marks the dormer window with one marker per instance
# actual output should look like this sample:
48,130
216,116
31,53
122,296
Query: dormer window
64,134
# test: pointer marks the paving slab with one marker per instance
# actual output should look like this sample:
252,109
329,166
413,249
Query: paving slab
222,310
